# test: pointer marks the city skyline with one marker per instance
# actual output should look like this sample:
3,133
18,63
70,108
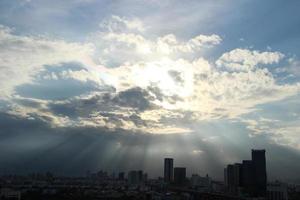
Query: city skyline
248,176
121,85
166,171
244,180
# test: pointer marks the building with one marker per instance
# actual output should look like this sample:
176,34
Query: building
277,191
233,177
121,176
145,177
248,177
201,183
8,193
237,174
230,175
260,172
168,170
237,178
135,177
225,177
179,175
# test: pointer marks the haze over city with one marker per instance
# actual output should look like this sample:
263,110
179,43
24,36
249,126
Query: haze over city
121,85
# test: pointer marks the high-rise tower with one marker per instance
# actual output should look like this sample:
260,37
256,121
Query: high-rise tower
259,172
168,170
179,175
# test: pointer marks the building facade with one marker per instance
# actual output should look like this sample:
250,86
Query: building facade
277,191
180,175
135,177
168,170
260,172
248,177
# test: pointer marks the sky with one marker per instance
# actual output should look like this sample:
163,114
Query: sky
120,85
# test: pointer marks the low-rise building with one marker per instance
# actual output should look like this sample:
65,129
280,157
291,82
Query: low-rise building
277,191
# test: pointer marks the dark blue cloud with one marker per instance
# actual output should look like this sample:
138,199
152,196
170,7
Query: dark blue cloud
135,98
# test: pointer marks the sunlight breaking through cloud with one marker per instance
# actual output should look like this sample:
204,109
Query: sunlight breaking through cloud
135,82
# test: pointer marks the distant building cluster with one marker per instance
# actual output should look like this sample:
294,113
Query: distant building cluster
242,181
175,175
137,177
249,177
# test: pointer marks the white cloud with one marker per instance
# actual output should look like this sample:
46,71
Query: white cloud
165,45
79,75
122,24
172,87
201,88
197,151
122,40
36,109
281,131
169,44
287,135
23,56
245,60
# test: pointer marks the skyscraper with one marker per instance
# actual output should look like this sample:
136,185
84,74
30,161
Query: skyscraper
230,178
233,177
250,177
225,177
247,176
237,170
179,175
168,170
259,171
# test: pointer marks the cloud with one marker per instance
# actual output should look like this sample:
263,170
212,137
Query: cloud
279,131
122,40
245,60
169,43
74,77
24,56
278,121
291,70
134,97
35,146
201,88
184,93
94,102
120,24
153,84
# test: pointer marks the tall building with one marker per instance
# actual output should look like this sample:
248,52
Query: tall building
237,173
260,172
179,175
230,178
168,170
250,177
247,176
230,173
233,178
225,177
